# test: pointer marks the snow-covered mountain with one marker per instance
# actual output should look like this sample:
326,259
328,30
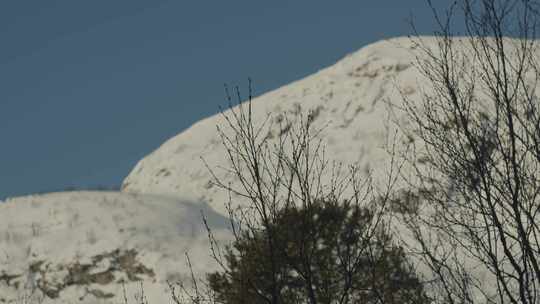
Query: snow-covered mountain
78,247
349,97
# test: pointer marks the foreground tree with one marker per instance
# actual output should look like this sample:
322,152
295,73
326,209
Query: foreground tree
336,232
475,161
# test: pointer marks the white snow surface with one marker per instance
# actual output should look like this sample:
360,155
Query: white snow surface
349,100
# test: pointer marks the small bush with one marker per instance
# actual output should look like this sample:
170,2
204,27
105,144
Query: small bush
313,246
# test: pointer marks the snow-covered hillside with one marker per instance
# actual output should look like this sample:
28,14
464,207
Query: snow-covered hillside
78,247
348,96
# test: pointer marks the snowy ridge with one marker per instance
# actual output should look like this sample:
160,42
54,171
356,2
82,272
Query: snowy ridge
83,245
348,96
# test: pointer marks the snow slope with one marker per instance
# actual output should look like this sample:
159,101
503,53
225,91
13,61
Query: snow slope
80,246
348,96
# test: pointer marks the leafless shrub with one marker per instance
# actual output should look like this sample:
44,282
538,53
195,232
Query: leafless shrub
479,137
290,174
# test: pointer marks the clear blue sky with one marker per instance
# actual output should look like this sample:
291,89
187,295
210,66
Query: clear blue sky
87,88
